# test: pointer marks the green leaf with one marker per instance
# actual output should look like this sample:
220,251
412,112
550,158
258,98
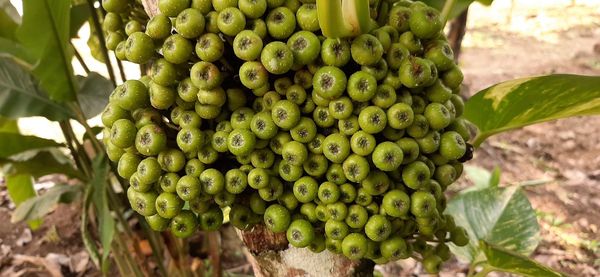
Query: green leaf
45,34
500,259
20,189
93,92
106,224
9,20
517,103
16,143
12,49
80,13
86,236
459,5
8,125
40,163
39,206
502,216
93,44
21,97
457,9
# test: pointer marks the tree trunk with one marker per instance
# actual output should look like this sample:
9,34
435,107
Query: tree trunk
270,253
458,28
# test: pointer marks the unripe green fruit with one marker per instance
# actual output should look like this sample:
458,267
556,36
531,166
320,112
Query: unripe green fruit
346,144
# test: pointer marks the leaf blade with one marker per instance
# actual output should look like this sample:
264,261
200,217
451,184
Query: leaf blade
80,13
13,143
521,102
106,223
20,96
508,261
93,93
502,216
45,34
40,163
9,20
20,189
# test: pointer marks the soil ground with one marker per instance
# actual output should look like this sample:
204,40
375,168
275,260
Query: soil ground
502,43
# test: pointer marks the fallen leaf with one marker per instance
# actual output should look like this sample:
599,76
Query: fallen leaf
52,267
79,262
25,237
145,247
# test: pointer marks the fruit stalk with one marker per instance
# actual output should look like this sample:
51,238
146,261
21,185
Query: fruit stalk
344,18
446,10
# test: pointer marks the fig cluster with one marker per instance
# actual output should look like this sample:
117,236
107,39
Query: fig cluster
345,144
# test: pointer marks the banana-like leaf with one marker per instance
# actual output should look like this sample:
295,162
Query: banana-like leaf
80,13
459,5
39,206
13,50
40,162
481,178
502,216
8,125
93,92
517,103
20,189
45,34
500,259
106,223
14,143
20,96
9,20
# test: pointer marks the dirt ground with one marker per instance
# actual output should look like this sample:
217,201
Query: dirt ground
501,44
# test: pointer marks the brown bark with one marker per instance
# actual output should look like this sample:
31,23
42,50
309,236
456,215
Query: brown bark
270,255
458,28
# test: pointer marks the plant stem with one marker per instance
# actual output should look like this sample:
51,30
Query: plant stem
215,258
121,70
74,153
81,119
182,254
448,5
130,261
155,244
102,41
80,58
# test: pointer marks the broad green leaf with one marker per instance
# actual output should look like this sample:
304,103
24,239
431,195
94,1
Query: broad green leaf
40,163
45,34
106,224
517,103
502,216
88,241
9,20
8,125
481,178
93,44
20,188
500,259
495,178
21,97
459,5
93,92
16,143
39,206
14,50
80,13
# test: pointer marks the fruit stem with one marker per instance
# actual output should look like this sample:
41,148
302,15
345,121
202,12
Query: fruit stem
344,18
98,28
448,5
